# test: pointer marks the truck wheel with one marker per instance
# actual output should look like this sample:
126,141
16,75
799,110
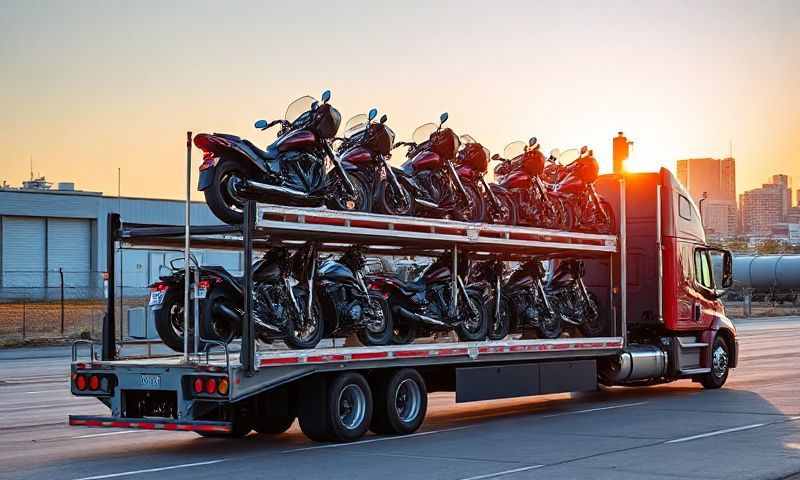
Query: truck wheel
720,359
349,407
401,401
272,413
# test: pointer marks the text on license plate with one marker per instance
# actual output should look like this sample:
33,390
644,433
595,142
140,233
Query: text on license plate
150,380
157,298
201,293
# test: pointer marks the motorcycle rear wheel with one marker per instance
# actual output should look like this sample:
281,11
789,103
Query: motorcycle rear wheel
384,336
220,195
509,216
479,328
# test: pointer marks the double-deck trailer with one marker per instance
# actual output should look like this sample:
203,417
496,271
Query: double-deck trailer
653,279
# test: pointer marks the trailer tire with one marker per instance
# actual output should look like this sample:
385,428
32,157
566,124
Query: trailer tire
272,413
349,402
391,418
313,407
720,361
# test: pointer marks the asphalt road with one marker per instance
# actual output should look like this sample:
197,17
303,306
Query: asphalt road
750,429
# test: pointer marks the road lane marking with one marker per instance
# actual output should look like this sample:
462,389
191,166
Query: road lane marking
64,390
715,433
106,434
588,410
504,472
151,470
373,440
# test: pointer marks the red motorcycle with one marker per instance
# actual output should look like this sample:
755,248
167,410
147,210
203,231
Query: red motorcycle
520,174
429,175
573,184
472,163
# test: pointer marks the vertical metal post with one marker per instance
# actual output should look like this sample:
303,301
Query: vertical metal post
196,308
186,247
61,276
247,356
109,350
612,309
623,262
454,287
659,256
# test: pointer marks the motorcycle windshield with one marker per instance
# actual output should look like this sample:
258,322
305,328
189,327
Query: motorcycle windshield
514,150
569,156
466,138
423,133
298,108
355,125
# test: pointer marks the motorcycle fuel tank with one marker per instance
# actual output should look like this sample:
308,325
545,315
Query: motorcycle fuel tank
357,155
516,180
336,272
296,140
467,173
426,160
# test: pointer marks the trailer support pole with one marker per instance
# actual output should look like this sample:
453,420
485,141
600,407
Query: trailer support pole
623,263
454,287
187,278
109,351
247,357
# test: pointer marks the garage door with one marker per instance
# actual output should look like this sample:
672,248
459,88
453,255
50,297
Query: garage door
23,252
69,244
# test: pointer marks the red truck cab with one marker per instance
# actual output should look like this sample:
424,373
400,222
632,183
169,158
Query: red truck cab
672,303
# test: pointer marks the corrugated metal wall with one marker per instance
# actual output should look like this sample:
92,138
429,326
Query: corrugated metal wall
23,252
69,247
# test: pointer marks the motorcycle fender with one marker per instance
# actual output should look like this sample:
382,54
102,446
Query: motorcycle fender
206,178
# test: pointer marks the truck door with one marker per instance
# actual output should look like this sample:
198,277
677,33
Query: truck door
705,301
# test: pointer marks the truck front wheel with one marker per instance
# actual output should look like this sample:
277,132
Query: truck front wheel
720,361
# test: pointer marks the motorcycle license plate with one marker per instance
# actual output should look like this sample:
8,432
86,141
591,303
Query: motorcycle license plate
201,293
152,381
157,298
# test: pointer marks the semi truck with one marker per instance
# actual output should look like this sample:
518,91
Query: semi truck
653,280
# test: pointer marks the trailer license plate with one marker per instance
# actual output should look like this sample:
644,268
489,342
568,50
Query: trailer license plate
150,380
201,293
157,298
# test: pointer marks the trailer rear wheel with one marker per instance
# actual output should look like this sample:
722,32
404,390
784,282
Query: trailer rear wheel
272,413
720,361
337,410
401,402
242,425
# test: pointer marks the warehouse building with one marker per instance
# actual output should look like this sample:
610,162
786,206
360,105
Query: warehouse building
51,237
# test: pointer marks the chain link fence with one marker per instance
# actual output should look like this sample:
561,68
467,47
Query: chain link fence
58,304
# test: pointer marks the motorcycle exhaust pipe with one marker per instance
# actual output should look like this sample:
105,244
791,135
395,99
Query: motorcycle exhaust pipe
252,187
227,313
426,204
409,315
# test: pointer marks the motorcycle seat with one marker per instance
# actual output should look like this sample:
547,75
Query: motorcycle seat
271,153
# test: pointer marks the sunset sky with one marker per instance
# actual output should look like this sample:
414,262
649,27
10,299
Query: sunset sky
87,87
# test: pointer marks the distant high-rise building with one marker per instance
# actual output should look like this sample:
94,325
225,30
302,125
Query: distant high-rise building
715,180
620,150
761,208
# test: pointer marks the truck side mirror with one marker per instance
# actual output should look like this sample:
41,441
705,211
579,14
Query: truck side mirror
727,269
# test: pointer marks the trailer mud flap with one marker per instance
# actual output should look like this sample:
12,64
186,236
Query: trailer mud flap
206,178
521,380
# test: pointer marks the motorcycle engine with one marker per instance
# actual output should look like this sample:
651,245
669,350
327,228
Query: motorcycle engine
525,308
354,312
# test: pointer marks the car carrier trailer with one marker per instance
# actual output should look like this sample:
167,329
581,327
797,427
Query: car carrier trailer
338,393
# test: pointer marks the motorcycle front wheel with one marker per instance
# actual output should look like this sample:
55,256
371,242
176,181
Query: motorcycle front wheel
392,200
499,325
305,331
340,199
380,327
221,196
592,325
475,210
473,327
548,324
508,213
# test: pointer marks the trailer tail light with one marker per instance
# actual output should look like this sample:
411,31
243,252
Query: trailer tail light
159,287
96,384
209,387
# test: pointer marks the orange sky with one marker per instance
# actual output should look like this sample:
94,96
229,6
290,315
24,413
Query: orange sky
87,87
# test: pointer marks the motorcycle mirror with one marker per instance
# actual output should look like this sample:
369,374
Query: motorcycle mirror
314,105
261,124
584,149
533,141
495,157
443,118
326,95
372,114
384,118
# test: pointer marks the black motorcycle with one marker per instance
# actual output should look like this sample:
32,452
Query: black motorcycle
518,303
572,301
364,150
292,170
284,305
429,175
347,299
428,303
